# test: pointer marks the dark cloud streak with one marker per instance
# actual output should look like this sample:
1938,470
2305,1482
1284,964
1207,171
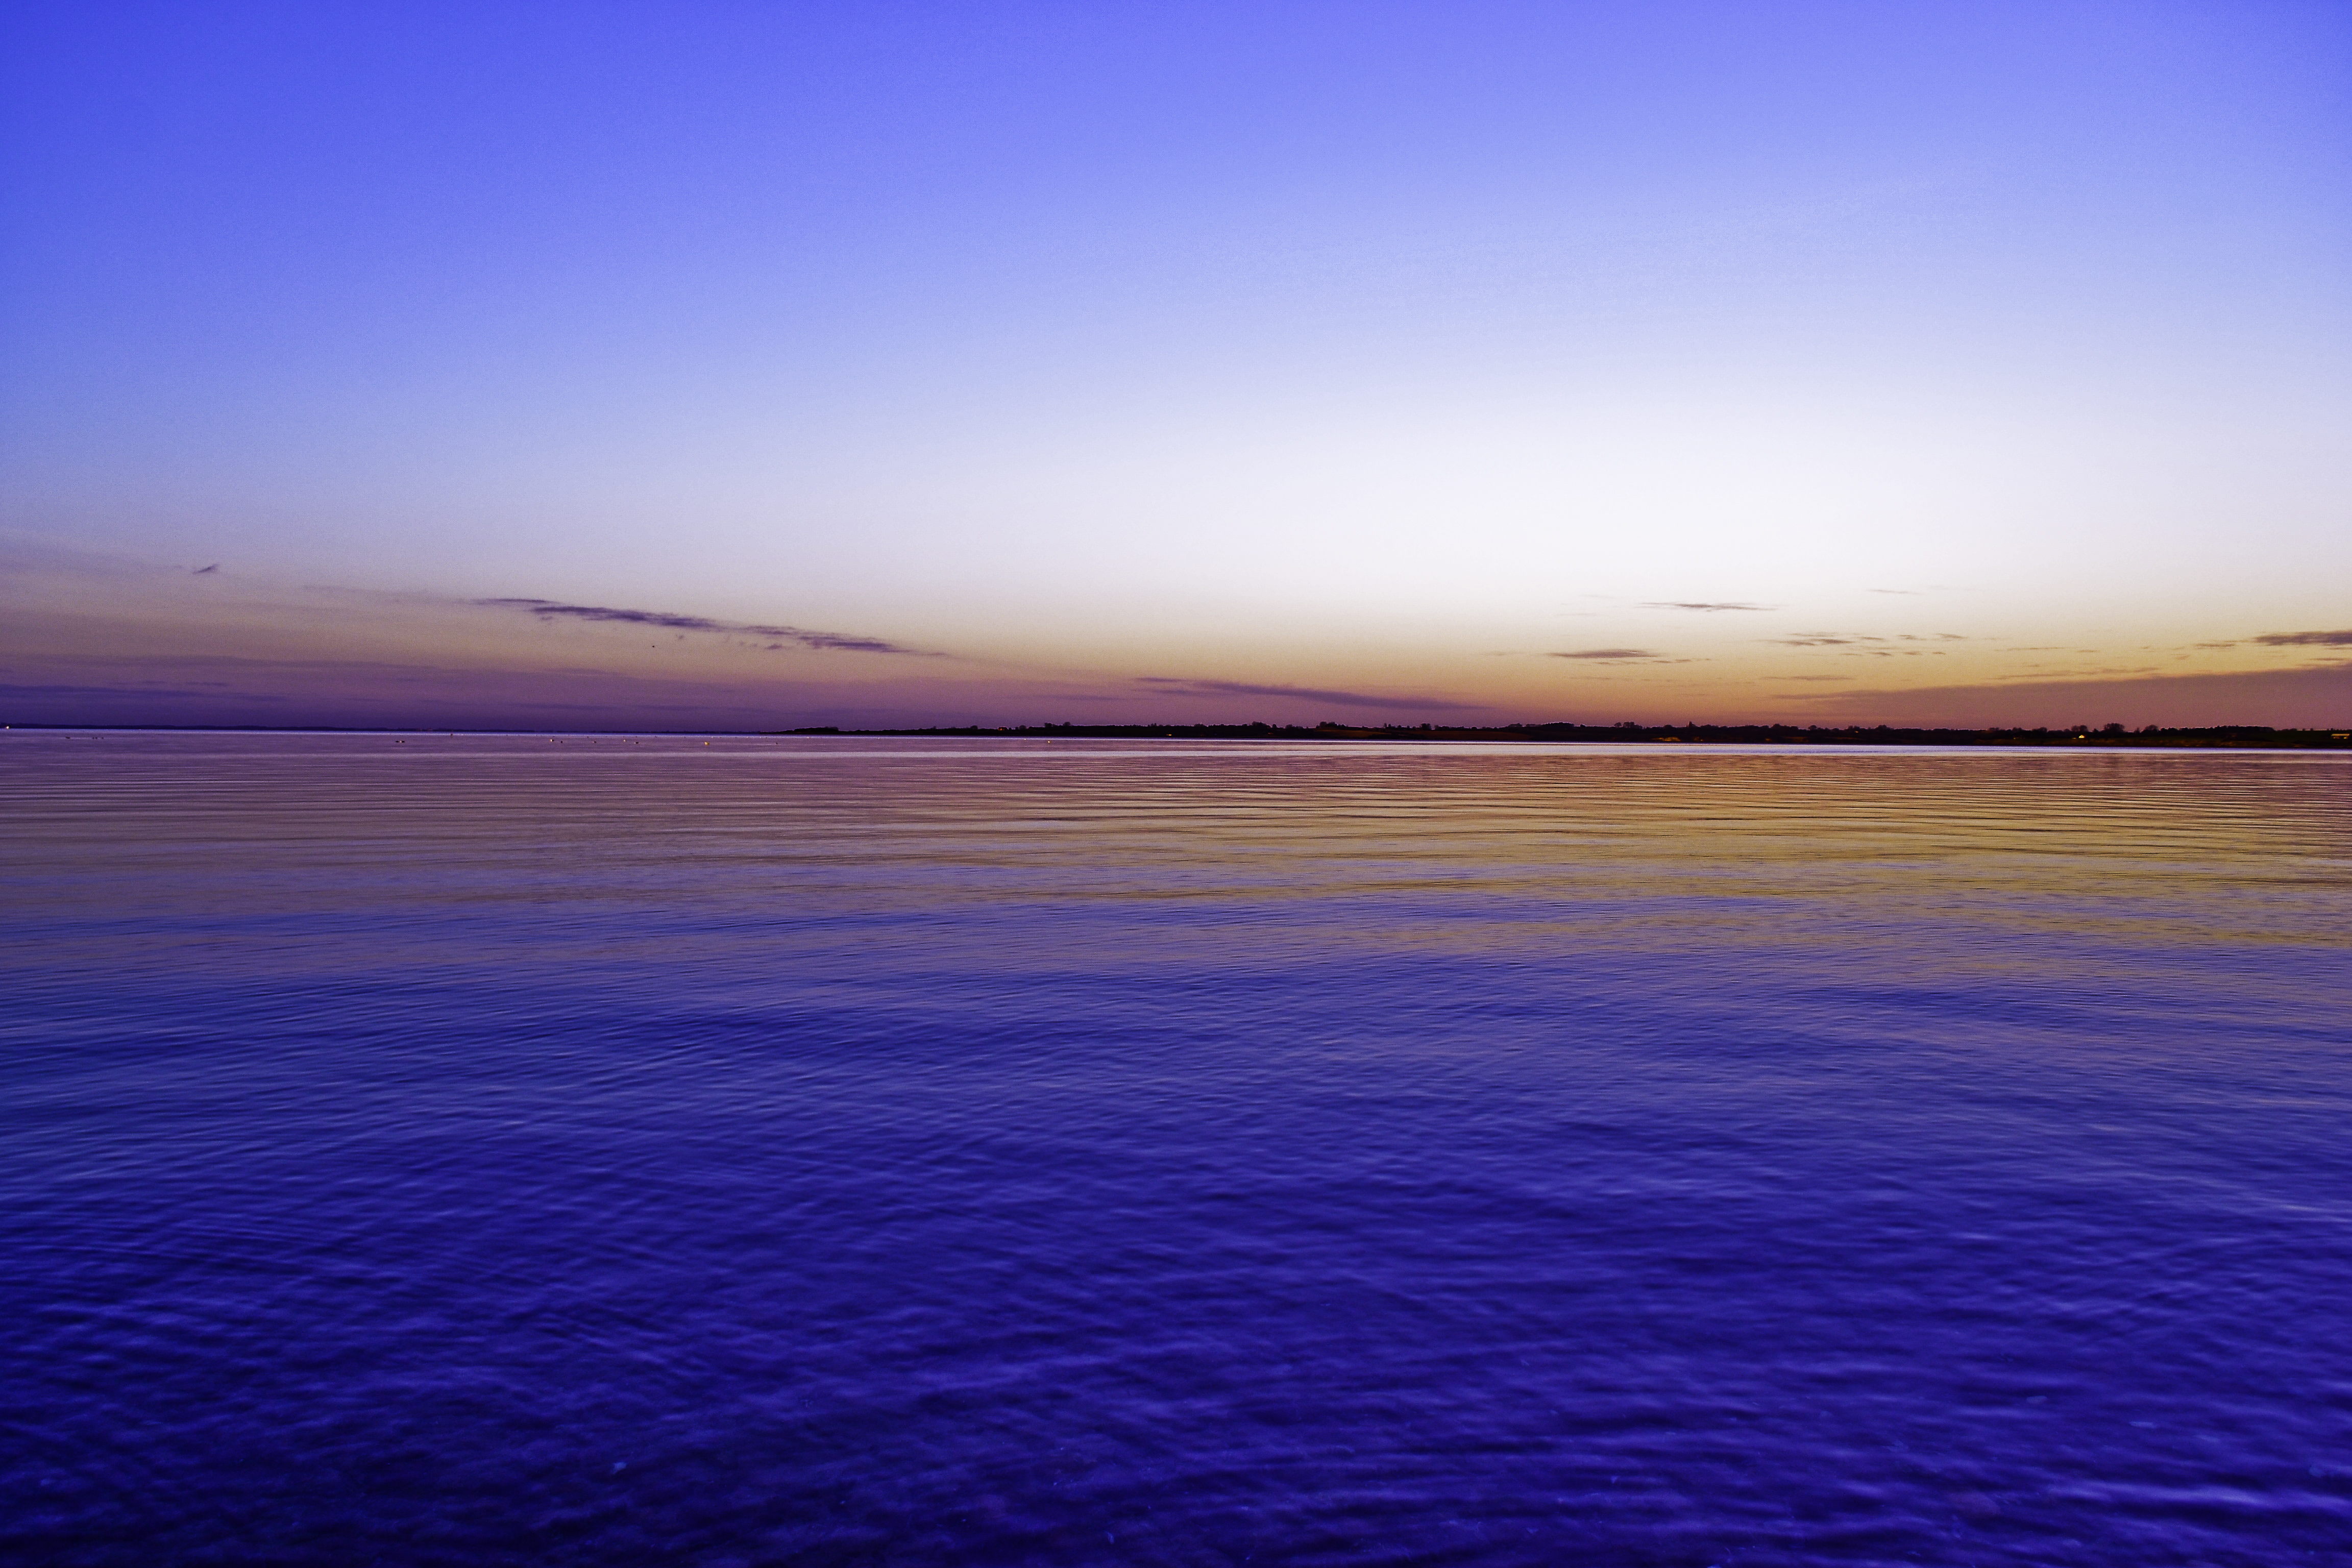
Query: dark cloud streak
2300,639
823,642
1176,686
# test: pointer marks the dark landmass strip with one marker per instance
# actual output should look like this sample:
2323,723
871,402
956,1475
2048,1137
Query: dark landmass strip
2236,736
2241,737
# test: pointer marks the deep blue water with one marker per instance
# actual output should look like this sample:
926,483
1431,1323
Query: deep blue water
505,1151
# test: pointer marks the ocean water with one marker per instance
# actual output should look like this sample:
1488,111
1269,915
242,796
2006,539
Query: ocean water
603,1151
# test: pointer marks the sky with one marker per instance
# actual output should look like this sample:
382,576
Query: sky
714,366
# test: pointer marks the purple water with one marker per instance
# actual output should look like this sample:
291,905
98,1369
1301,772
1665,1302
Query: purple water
499,1150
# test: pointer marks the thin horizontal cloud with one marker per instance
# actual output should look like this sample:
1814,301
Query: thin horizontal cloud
1709,605
2102,672
129,692
2306,639
2309,697
1843,639
786,636
224,691
1609,653
1177,685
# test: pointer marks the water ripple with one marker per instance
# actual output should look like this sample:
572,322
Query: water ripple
606,1150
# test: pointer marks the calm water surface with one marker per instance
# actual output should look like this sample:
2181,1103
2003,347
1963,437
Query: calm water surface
495,1150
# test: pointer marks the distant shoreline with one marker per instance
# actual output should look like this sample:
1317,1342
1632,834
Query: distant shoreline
2228,737
2234,737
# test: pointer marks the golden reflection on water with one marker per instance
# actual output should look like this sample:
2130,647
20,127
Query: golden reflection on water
1960,861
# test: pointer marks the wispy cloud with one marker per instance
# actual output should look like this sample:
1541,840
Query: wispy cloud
1613,655
1178,685
1709,605
127,692
1843,639
2306,639
2287,697
785,637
